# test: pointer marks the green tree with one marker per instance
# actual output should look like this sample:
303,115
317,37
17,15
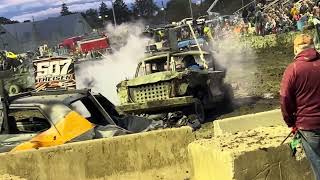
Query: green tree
92,17
199,9
145,8
65,10
122,11
4,20
104,11
178,10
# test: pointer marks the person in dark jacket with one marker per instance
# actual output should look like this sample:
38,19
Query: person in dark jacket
259,21
300,98
245,15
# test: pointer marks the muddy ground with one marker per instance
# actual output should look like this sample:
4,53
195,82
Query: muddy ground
261,89
248,140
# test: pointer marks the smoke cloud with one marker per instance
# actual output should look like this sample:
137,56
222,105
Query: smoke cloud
103,76
129,47
239,60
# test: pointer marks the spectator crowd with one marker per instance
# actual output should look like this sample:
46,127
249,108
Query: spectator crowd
279,16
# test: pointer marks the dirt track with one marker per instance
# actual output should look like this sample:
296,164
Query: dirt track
262,93
251,139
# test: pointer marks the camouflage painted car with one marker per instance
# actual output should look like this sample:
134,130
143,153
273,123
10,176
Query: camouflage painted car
48,119
167,82
22,80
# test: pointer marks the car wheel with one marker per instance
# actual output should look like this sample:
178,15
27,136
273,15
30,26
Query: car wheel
14,89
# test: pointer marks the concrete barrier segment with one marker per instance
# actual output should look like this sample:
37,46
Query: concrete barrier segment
157,154
248,122
255,154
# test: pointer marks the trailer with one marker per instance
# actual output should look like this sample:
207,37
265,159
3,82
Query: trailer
71,43
100,44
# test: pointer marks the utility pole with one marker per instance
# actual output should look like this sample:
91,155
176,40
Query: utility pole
191,12
114,14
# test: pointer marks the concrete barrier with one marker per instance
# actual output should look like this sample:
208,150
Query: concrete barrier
153,155
247,122
255,155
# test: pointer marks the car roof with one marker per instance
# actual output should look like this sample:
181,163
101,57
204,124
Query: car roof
165,54
48,97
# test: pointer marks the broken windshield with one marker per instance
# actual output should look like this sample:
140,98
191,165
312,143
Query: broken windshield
93,110
157,65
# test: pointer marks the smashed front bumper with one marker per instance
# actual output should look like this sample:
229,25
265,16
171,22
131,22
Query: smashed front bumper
159,105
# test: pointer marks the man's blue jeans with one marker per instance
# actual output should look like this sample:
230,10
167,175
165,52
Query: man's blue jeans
311,145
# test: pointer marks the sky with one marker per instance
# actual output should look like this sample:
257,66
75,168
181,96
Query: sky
22,10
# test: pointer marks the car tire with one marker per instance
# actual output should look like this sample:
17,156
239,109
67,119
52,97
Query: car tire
14,89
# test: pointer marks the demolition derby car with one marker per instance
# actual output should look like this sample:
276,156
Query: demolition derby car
21,78
36,120
187,81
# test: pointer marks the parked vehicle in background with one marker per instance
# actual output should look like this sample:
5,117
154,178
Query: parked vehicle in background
91,46
71,43
21,78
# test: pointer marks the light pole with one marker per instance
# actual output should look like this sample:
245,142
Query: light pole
190,3
164,14
114,14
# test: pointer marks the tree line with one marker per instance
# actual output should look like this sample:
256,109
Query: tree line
148,10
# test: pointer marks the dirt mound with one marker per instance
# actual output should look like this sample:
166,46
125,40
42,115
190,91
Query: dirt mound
259,138
10,177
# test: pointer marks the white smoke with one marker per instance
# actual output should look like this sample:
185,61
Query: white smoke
103,76
239,60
